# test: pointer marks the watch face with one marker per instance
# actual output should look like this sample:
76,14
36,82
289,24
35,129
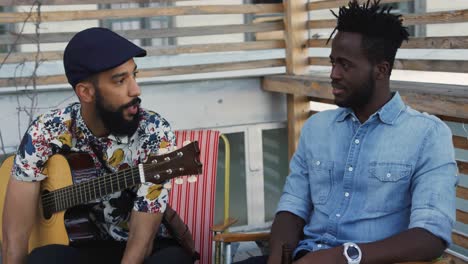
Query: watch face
352,252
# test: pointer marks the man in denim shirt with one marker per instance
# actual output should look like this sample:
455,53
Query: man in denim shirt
374,180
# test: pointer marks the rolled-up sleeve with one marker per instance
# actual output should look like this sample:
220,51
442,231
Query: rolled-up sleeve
296,192
434,183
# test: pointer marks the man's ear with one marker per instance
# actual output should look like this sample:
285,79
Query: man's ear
85,92
382,70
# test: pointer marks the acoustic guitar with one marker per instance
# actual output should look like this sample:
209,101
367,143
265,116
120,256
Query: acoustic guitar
63,216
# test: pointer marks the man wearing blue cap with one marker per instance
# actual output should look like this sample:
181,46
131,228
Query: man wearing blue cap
108,124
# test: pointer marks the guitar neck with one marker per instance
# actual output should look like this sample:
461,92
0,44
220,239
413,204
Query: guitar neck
157,169
84,192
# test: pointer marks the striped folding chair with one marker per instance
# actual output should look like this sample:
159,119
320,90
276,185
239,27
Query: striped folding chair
195,202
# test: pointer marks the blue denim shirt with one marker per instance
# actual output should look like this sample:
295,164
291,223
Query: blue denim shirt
366,182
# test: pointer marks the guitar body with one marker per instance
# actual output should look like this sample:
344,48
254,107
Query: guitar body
63,215
52,230
46,230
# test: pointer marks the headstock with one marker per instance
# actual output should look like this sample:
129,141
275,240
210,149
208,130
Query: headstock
181,162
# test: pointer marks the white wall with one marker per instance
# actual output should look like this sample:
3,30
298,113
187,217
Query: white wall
186,105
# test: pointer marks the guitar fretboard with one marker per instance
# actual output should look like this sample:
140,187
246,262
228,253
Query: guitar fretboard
86,191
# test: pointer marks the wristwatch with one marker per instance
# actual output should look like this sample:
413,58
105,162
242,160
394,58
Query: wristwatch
352,253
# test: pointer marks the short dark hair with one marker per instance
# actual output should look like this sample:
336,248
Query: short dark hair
382,32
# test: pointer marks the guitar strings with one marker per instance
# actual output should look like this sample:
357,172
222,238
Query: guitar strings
64,199
88,189
51,199
71,202
86,185
103,179
61,198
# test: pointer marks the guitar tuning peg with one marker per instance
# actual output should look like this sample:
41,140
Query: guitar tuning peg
162,151
192,179
186,142
179,181
168,186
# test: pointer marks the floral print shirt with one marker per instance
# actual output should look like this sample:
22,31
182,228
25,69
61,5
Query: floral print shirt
64,130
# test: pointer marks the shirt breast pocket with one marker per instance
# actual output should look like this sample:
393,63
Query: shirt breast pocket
388,188
320,174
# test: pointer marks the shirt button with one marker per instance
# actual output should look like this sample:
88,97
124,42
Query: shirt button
356,141
346,194
319,245
318,162
389,175
338,215
354,119
350,168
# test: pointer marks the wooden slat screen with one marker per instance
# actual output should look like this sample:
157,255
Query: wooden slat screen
16,17
161,71
440,17
327,4
19,17
416,65
81,2
150,33
462,167
462,192
167,50
415,43
460,239
462,216
460,142
452,100
454,259
410,19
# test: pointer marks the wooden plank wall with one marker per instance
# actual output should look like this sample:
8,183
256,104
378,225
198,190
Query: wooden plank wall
15,19
454,42
449,102
296,64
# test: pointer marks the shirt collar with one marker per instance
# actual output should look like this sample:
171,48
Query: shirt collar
392,109
387,114
345,113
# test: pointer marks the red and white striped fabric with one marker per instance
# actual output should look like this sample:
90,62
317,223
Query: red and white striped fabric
195,201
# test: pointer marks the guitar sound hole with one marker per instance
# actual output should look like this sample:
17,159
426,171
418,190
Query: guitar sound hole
46,210
47,215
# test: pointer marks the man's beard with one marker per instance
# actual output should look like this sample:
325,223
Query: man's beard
361,97
114,121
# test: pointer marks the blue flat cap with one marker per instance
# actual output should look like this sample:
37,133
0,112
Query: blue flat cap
95,50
